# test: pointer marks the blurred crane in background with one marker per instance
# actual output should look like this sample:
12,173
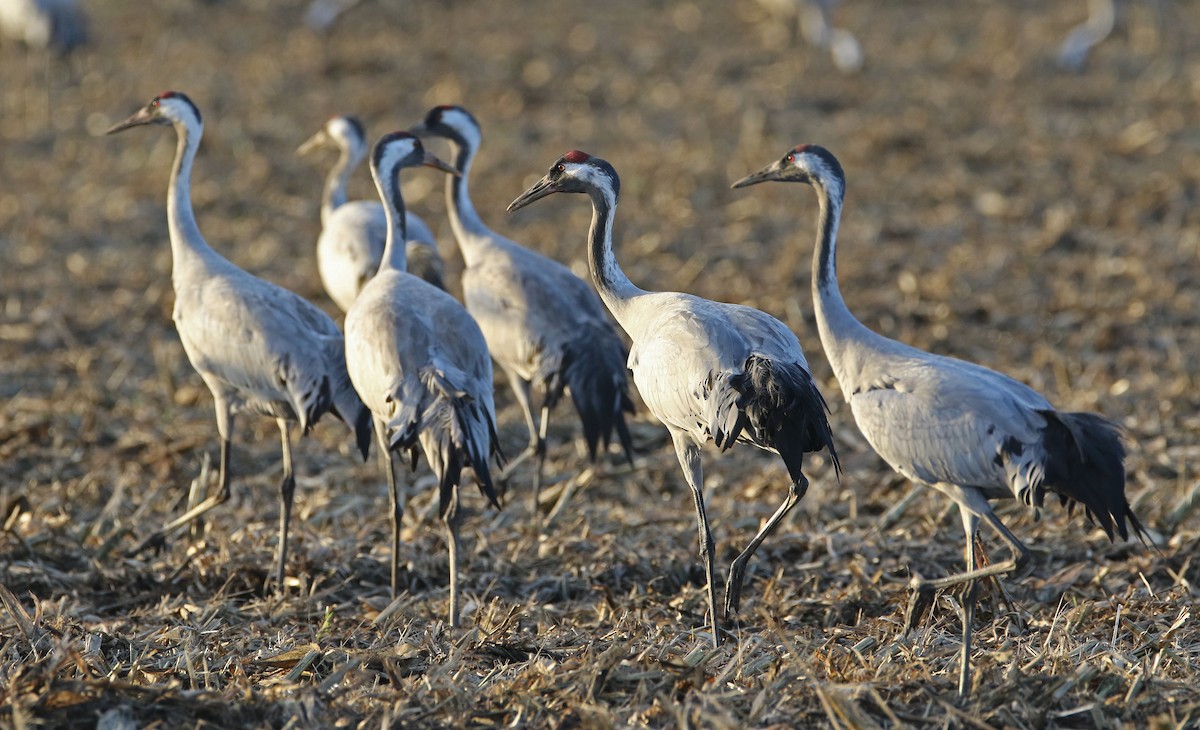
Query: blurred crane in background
811,19
55,25
1101,19
353,233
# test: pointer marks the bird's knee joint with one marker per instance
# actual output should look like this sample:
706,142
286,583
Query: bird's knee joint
1020,558
799,487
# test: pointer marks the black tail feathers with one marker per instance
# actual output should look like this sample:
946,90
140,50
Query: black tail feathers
363,432
780,407
363,429
1085,464
599,389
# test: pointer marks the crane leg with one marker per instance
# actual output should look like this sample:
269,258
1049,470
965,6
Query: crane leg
972,508
970,527
974,504
689,459
737,569
394,498
522,390
156,539
287,492
539,451
450,516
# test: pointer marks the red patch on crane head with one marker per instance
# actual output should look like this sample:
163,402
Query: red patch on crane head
576,156
167,95
801,148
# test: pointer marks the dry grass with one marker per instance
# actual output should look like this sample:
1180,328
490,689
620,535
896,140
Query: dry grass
1042,223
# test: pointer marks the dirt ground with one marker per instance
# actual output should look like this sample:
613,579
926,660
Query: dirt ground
1043,223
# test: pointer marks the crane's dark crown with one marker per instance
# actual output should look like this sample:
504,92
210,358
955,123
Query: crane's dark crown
434,119
593,167
824,156
387,139
355,124
180,96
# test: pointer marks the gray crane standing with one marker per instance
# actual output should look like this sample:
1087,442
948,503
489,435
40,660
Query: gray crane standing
353,233
421,365
543,324
707,370
258,347
971,433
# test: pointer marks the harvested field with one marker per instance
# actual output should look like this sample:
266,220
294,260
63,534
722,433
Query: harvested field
1043,223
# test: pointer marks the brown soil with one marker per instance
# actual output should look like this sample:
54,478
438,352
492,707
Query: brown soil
1043,223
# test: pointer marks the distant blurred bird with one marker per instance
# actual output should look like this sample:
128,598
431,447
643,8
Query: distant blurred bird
57,25
969,432
353,233
544,325
707,370
1101,19
259,347
322,14
813,25
421,365
1102,16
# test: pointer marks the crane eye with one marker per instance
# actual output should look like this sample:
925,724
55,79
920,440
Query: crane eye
560,167
153,103
790,159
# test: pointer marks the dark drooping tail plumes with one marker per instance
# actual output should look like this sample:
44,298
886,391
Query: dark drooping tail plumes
779,407
593,369
1085,464
344,403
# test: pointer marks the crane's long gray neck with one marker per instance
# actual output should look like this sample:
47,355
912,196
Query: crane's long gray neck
394,254
470,232
336,181
840,331
615,288
187,245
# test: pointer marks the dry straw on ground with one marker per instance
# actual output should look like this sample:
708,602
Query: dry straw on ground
1043,223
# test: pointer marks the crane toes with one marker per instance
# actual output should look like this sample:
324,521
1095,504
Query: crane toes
157,542
920,600
733,593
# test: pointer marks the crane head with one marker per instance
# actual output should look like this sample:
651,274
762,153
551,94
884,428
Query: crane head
574,172
169,107
806,163
451,122
403,149
345,132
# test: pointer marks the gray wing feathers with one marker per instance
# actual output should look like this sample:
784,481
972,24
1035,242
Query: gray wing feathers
421,363
749,377
547,325
351,246
269,350
945,420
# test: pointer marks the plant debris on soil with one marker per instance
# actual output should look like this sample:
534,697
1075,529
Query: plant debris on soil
999,209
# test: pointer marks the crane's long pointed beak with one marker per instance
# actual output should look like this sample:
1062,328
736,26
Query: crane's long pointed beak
320,139
540,189
138,118
432,161
764,175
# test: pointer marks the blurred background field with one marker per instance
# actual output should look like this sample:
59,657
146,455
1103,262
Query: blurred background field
1042,222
